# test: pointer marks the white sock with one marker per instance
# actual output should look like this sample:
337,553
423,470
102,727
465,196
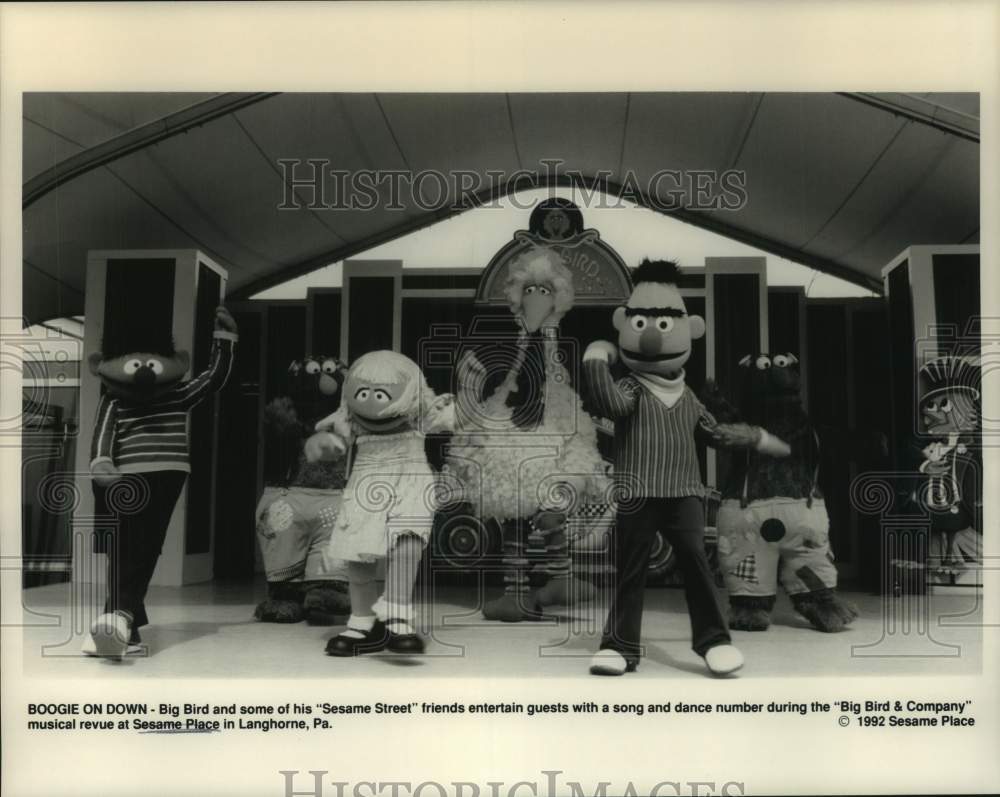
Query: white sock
400,627
386,611
358,626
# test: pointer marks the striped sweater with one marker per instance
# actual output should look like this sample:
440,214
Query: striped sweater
654,450
141,437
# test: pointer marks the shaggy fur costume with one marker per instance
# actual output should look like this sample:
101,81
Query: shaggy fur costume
773,526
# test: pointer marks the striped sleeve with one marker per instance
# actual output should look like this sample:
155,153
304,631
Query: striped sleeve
103,443
612,400
216,375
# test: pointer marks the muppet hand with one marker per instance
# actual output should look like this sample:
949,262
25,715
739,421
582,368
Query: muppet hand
602,350
105,472
741,435
324,446
224,320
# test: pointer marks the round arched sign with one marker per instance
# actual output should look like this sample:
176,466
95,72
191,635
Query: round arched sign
599,274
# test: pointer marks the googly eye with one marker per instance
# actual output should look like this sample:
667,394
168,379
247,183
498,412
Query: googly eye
155,366
664,323
362,394
329,367
931,406
382,397
763,363
638,322
544,291
132,366
946,405
781,361
529,289
312,367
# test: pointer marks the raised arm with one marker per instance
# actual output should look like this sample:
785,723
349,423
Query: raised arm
610,399
220,364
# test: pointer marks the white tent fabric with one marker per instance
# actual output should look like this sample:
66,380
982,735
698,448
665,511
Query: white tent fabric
838,182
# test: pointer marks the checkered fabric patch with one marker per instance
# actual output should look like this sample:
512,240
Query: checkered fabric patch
747,569
591,510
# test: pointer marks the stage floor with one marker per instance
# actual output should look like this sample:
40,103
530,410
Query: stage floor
208,631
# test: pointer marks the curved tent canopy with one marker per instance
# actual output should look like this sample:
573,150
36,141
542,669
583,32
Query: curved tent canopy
838,182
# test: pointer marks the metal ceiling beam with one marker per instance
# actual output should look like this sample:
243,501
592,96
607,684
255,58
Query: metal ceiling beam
885,104
429,218
136,139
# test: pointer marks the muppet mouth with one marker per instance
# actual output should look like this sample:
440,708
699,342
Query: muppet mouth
378,423
652,358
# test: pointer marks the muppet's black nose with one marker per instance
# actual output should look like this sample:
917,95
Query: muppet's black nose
144,377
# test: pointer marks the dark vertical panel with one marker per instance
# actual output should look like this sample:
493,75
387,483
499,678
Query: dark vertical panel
783,322
431,331
199,516
422,329
828,409
371,315
737,333
138,299
286,341
584,325
956,293
325,324
902,368
696,368
239,449
737,324
870,353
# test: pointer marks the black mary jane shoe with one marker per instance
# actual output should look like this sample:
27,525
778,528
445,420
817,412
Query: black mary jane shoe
404,643
372,642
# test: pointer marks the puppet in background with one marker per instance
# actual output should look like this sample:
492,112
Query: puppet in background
657,419
773,525
390,499
526,451
951,467
296,512
140,461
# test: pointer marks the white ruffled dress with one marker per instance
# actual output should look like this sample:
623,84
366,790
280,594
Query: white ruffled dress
391,491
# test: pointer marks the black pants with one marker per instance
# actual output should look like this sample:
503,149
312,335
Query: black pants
682,523
138,507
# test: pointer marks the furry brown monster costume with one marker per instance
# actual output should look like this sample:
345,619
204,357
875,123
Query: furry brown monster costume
297,510
773,525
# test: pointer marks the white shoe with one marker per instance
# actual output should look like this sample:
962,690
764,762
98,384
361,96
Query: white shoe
723,659
109,634
89,647
608,662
